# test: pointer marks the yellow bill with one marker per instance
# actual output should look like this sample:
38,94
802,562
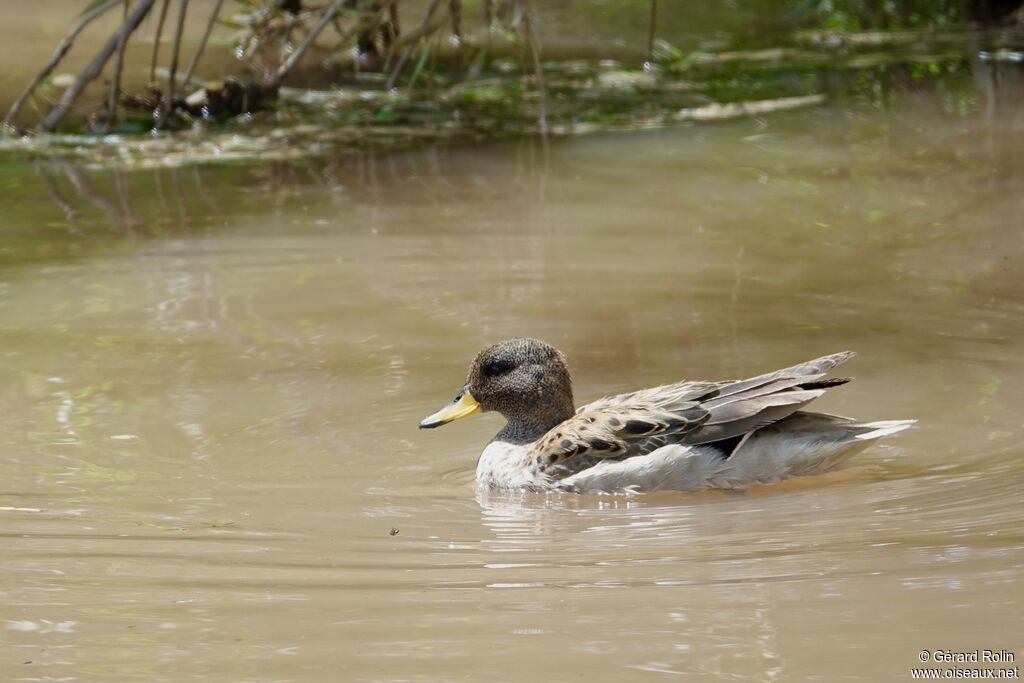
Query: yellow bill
463,405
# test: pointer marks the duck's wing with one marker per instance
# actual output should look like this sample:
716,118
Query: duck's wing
741,406
609,431
801,444
687,413
667,395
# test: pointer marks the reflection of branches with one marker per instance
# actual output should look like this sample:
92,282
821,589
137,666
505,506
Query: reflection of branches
123,194
201,191
87,192
161,198
70,212
179,197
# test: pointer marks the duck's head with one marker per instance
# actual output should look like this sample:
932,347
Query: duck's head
525,380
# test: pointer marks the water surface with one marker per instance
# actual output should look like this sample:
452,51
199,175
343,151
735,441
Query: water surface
211,379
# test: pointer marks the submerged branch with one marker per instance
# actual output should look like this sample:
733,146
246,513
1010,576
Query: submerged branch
58,54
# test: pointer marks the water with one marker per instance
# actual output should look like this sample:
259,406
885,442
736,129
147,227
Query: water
211,380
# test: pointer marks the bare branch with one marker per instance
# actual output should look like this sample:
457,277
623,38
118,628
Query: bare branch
425,28
300,51
93,69
652,28
202,43
158,35
115,83
455,11
167,103
531,39
58,55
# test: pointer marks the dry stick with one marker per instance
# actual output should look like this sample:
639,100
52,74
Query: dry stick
393,31
394,26
425,28
650,31
531,39
489,14
157,37
93,69
328,16
167,102
202,43
409,39
385,22
58,55
455,10
115,83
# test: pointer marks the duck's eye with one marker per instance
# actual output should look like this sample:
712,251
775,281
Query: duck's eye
497,367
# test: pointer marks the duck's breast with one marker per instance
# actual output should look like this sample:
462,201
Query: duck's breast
503,465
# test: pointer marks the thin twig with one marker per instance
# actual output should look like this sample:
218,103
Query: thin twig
58,55
391,30
202,43
455,11
394,27
293,59
531,40
93,69
652,27
168,100
115,83
158,35
425,28
409,39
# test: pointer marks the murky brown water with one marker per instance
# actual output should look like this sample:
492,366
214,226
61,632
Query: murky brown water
211,380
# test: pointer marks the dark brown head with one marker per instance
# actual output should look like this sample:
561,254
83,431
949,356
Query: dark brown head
525,380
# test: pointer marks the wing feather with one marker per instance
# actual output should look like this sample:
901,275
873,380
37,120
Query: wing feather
637,423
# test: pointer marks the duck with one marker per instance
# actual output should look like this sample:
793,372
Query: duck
686,436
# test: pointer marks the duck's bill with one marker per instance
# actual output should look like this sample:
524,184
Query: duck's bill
462,405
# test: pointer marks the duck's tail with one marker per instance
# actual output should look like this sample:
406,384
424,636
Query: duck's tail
867,431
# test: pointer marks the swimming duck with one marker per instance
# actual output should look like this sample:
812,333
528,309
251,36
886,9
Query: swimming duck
684,436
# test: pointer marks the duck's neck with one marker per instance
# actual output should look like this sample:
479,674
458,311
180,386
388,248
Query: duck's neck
527,428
